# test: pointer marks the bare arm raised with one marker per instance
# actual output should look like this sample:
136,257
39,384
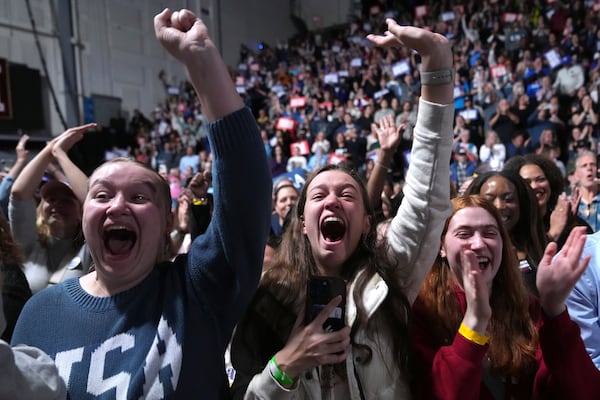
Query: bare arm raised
388,136
75,176
22,157
26,183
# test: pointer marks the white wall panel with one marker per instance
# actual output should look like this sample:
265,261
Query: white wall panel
126,15
5,11
119,55
128,72
5,42
133,94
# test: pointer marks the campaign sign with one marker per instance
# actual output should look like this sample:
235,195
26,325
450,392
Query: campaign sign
298,102
509,17
498,71
303,146
553,58
448,16
331,78
286,124
401,68
421,11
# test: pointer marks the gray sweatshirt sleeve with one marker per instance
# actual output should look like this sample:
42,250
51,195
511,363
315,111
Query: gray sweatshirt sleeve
27,372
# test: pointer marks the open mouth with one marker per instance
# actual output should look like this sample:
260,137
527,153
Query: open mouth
484,263
56,213
332,229
505,217
119,240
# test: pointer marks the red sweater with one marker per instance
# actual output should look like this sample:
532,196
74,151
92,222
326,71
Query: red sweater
454,369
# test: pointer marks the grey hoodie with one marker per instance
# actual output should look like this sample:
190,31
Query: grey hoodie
27,372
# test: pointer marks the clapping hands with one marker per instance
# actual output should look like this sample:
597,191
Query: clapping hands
556,276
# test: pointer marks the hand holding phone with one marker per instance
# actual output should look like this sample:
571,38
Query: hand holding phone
320,291
308,346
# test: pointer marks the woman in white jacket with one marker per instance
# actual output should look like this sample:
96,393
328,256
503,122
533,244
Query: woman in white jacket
333,233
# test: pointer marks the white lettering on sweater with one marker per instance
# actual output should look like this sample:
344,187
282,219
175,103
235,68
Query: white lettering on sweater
97,384
162,365
164,352
65,360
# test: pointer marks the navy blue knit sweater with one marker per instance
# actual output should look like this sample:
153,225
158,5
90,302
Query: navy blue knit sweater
165,338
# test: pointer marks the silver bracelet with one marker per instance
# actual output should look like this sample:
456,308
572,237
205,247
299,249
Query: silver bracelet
439,77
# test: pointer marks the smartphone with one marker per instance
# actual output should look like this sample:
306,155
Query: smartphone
321,290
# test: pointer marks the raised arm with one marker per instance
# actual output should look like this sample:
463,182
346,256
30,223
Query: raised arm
225,263
389,137
417,227
6,185
75,176
186,38
27,182
436,57
30,177
22,157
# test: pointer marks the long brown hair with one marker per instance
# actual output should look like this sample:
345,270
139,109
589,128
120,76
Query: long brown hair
294,264
513,336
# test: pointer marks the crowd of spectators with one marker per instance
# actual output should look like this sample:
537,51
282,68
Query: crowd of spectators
525,127
526,81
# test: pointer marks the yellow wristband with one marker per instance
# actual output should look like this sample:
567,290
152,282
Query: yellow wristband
472,336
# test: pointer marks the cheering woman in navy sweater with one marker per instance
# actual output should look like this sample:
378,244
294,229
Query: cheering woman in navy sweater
122,330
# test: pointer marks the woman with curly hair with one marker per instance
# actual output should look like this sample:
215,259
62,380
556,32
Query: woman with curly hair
557,212
477,333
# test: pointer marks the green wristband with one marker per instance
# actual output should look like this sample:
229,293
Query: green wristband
278,374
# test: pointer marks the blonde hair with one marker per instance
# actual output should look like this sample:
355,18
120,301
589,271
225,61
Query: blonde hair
43,229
